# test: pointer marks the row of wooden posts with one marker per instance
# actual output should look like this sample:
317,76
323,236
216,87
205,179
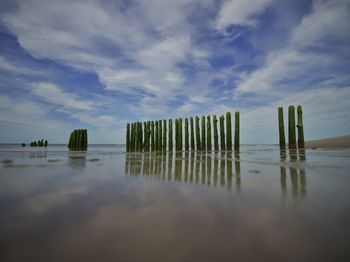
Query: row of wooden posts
292,144
152,135
78,140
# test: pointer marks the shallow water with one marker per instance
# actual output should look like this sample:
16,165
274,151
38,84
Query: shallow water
258,205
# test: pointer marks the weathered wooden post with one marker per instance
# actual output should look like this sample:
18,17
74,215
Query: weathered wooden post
216,135
77,139
45,144
164,135
127,137
237,131
208,133
170,138
192,134
144,142
187,140
228,132
176,134
198,134
291,128
141,137
86,139
222,133
157,136
180,134
160,146
152,136
133,138
300,126
282,137
203,133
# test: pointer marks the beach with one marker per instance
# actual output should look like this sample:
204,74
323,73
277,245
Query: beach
57,205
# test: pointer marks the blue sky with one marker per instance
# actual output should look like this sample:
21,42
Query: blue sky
100,64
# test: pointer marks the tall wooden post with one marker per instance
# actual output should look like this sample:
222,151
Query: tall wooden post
228,132
198,134
291,128
192,134
222,133
170,136
164,135
300,126
153,136
208,133
203,133
237,131
282,138
187,143
216,135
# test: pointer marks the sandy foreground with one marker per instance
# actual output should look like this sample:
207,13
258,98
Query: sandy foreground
340,142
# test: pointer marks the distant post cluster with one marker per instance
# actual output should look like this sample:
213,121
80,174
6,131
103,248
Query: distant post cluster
78,140
199,134
292,143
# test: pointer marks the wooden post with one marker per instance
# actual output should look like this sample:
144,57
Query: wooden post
170,138
187,140
152,136
127,137
237,131
203,133
228,132
222,133
216,136
300,126
282,138
156,136
208,133
180,134
164,135
160,146
176,134
192,134
291,128
198,134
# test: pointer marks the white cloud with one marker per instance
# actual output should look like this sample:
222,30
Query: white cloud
237,12
297,67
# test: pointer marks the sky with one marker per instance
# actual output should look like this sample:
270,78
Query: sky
100,64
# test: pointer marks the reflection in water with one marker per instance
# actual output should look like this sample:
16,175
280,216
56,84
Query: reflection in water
297,174
77,159
206,168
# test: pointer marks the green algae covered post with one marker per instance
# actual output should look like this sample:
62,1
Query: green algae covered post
187,140
127,137
282,138
198,134
152,136
170,137
203,133
222,133
192,134
180,134
236,130
216,135
208,133
164,135
291,128
228,132
300,126
160,147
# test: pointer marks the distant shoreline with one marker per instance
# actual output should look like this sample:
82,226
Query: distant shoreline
330,142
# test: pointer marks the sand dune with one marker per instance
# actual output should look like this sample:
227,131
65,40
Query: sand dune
340,141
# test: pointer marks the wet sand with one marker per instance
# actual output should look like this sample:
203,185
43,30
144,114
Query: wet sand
331,142
258,205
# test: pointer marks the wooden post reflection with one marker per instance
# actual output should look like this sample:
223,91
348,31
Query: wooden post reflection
238,171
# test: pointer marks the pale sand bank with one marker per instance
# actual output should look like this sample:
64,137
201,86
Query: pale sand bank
340,141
